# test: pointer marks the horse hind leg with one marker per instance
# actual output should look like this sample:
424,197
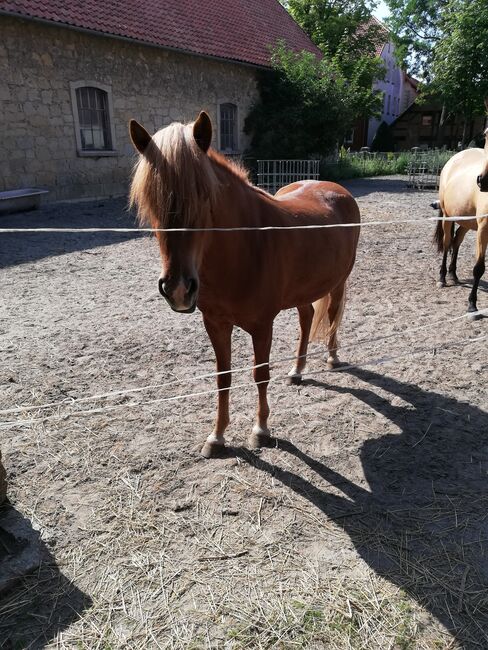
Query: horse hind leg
456,243
327,319
443,237
305,314
335,311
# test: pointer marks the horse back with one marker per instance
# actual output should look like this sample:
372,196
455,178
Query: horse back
323,200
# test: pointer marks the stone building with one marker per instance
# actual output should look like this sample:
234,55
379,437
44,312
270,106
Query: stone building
73,74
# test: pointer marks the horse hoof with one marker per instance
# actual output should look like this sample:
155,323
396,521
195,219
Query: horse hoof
333,362
441,284
294,380
474,316
212,450
454,279
260,437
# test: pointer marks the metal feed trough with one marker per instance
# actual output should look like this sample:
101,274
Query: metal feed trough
273,174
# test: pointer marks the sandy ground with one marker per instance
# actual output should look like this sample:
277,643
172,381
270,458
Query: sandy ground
364,527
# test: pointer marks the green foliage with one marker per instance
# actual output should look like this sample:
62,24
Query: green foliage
416,26
383,139
306,105
344,28
359,166
460,63
446,42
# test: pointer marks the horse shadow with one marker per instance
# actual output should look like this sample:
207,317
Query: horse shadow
37,601
364,186
423,523
20,248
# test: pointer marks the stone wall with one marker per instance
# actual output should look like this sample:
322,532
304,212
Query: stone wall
155,86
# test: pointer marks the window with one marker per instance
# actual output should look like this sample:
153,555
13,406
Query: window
389,103
426,120
228,128
92,111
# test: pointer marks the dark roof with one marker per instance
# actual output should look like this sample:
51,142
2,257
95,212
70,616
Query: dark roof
240,30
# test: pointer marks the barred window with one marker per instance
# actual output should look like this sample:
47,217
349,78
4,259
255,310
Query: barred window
93,118
228,127
91,102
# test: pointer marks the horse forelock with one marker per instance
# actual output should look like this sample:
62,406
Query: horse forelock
174,183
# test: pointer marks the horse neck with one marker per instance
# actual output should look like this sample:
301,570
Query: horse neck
240,203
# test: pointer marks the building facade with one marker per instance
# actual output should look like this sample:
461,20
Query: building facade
419,126
69,90
398,91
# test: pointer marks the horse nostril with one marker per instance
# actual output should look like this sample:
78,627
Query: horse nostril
191,286
161,287
478,180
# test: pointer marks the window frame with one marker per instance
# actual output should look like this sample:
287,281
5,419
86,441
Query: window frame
237,149
92,153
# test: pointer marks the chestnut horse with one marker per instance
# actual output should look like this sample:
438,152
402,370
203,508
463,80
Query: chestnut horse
463,191
242,278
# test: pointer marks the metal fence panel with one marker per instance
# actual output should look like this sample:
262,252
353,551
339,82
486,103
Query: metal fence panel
273,174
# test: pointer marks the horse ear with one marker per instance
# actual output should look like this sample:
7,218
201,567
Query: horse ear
202,131
139,136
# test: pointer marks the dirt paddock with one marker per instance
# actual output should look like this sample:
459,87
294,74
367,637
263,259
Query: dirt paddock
364,527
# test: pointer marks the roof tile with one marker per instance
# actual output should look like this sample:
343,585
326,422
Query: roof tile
241,30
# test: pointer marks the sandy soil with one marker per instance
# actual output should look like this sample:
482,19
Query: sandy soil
364,527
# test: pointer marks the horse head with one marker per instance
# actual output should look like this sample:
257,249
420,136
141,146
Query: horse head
174,187
482,178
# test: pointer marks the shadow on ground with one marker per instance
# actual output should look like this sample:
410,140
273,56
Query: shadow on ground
42,602
390,185
423,525
19,248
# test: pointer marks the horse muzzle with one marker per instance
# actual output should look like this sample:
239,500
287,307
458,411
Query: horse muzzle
482,181
182,297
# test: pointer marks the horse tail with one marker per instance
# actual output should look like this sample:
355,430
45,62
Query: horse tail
323,329
438,238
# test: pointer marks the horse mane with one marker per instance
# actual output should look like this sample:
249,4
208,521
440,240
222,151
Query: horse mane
175,184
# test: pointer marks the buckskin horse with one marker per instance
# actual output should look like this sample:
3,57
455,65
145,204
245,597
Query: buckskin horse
463,191
242,278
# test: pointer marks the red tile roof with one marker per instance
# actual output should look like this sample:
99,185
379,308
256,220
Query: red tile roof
240,30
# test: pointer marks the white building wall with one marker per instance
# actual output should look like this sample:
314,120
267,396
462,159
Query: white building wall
392,89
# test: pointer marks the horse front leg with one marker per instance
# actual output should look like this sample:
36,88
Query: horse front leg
306,317
261,340
479,267
220,335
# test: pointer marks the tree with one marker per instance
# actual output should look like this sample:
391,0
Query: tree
446,40
460,61
344,31
416,27
306,105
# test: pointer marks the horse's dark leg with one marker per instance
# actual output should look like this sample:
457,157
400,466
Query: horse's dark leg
305,314
448,228
220,336
261,340
479,267
457,241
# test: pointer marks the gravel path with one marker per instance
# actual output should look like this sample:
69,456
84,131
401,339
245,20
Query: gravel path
366,527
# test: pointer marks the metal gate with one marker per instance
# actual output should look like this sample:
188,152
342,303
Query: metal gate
273,174
425,168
